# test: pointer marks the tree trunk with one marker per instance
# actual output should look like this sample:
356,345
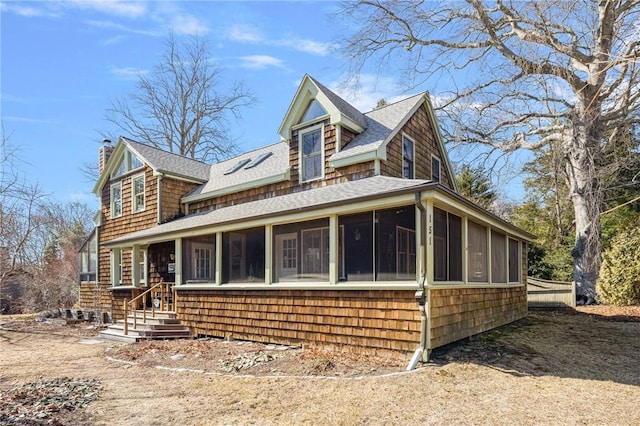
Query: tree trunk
581,155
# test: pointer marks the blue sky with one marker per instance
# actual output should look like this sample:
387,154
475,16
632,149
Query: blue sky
63,62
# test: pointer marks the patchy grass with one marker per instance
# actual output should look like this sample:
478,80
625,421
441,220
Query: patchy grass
554,367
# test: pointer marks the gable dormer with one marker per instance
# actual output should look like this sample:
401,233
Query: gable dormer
313,102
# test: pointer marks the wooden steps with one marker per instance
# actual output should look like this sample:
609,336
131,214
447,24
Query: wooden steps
163,325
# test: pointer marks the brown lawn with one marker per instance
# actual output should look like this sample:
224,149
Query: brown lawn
554,367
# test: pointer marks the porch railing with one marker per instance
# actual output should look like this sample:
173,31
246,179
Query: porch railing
164,292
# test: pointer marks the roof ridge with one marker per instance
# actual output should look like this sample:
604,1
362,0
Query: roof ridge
425,92
165,151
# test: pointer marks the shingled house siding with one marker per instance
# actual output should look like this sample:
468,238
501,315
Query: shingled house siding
419,129
462,312
375,322
172,191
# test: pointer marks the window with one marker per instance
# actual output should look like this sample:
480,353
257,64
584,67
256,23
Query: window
137,185
129,162
202,261
89,259
498,257
287,257
514,262
116,200
435,169
237,166
314,110
447,242
477,255
117,259
408,154
259,159
142,266
311,153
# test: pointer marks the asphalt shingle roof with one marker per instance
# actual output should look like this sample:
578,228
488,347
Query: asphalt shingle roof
168,162
343,106
312,199
380,124
277,164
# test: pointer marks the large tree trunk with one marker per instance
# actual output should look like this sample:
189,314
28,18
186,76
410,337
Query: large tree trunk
582,156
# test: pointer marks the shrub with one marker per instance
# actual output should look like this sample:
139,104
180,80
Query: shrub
619,282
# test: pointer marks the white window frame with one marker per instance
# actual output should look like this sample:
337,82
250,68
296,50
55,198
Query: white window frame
195,247
413,157
135,207
112,201
142,266
280,256
301,168
116,267
436,159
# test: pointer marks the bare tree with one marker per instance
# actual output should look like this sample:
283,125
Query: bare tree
18,204
181,105
537,72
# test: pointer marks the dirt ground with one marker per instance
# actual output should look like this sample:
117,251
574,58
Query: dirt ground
554,367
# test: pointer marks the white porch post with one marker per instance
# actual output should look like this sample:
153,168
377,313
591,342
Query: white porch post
218,258
268,254
333,249
178,261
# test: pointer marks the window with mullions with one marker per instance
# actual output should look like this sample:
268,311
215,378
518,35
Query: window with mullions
116,200
137,185
198,259
408,154
447,246
311,162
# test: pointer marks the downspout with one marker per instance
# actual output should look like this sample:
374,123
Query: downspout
159,207
421,295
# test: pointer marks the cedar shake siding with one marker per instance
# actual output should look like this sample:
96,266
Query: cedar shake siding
172,192
374,322
419,129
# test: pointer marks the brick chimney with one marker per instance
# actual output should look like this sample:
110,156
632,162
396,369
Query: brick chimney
103,154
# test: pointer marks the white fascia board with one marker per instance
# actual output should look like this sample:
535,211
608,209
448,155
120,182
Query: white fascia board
358,158
440,141
117,152
236,188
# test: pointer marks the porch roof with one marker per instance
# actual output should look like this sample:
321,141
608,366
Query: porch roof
312,199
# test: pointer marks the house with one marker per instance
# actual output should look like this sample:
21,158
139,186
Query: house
349,233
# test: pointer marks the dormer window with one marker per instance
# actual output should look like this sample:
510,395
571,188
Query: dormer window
314,110
311,153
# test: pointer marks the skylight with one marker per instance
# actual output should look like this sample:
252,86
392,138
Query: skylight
259,159
237,166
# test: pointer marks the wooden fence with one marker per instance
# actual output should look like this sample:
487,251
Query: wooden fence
544,293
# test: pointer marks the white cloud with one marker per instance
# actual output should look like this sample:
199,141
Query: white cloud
124,28
27,11
128,73
244,34
306,46
368,91
188,25
128,9
13,118
260,61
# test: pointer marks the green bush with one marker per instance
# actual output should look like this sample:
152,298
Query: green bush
619,282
